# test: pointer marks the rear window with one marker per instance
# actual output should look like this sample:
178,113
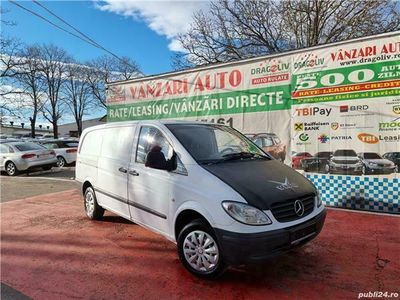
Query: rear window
72,144
28,146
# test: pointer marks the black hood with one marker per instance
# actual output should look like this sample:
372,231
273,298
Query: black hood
262,182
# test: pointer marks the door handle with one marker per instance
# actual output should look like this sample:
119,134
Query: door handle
122,170
133,173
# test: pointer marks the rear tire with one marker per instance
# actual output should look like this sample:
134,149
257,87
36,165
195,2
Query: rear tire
11,169
93,210
199,251
61,162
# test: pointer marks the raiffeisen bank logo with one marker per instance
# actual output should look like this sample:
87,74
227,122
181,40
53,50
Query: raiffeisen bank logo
323,138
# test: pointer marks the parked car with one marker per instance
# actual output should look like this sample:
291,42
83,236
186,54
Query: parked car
204,186
271,144
394,157
316,163
298,157
373,163
64,149
344,161
25,156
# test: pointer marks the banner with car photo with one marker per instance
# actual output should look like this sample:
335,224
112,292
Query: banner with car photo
346,122
331,112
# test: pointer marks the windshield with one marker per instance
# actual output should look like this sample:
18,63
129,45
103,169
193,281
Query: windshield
215,143
371,155
345,153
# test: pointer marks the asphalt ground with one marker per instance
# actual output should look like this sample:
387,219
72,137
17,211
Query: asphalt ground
37,183
50,250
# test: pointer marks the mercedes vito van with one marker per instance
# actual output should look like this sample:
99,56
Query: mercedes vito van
206,187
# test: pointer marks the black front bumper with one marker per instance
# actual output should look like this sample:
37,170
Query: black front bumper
248,248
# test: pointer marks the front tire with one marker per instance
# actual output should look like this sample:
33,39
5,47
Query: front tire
199,251
11,169
93,210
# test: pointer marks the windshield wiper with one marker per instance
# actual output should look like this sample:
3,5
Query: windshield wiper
238,155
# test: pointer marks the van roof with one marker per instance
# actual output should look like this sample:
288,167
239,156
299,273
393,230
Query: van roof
155,122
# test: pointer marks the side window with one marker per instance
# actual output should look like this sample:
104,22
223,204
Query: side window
258,142
268,142
51,146
91,143
3,148
148,138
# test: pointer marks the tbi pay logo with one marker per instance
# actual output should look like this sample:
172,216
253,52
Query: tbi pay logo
313,111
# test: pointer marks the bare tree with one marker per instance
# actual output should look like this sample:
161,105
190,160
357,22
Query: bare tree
232,30
106,69
9,68
53,63
30,82
77,90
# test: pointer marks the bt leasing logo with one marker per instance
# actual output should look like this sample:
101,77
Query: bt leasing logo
285,185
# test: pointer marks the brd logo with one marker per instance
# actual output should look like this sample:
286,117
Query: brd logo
368,138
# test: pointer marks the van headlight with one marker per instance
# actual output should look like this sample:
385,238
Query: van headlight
245,213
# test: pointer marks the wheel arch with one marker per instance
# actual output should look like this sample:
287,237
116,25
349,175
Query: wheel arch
187,214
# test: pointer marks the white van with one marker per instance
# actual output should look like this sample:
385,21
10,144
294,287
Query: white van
204,186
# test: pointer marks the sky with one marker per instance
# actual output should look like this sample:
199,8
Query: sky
145,31
142,30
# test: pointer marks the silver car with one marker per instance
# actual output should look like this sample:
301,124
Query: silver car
23,156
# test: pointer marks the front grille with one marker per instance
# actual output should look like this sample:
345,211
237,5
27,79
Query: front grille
284,211
345,162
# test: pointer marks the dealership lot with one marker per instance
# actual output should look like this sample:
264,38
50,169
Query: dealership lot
51,250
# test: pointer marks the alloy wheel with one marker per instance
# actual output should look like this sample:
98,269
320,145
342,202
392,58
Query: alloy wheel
201,251
89,203
60,162
11,169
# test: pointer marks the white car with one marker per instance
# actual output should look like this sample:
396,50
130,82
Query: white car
208,188
64,149
25,156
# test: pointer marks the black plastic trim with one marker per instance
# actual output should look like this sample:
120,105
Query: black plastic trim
134,204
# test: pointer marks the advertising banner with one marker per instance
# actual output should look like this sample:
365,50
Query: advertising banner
331,112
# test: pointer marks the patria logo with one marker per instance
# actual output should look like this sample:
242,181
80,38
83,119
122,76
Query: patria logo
285,185
303,137
323,138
